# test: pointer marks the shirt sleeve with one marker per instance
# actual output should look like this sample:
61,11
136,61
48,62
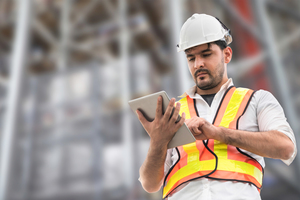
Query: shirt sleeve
270,116
168,161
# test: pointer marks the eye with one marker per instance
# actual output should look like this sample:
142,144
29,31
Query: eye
192,59
206,55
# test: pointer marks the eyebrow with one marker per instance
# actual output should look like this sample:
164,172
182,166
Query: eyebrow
204,51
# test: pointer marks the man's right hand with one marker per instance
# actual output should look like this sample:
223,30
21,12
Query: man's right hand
162,129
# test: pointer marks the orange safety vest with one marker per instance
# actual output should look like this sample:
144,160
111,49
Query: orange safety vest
212,158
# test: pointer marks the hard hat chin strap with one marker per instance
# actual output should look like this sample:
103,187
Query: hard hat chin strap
223,25
227,36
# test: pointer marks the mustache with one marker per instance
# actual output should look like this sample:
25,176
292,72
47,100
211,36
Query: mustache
201,70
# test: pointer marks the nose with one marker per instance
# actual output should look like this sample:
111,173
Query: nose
198,62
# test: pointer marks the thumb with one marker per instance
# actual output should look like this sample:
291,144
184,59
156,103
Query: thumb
197,131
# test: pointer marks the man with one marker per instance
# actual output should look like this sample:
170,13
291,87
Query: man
234,127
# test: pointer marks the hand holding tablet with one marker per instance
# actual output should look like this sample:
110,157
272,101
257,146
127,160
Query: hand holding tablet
147,105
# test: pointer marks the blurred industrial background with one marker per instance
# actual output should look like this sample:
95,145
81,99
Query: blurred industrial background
69,67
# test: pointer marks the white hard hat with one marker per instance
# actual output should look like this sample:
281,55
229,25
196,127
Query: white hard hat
201,29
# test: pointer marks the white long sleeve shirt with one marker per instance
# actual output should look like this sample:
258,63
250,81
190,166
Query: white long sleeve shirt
264,113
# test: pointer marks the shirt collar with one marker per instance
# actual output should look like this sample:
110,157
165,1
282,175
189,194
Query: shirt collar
192,91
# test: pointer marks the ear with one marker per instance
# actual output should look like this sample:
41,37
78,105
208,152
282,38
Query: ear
227,52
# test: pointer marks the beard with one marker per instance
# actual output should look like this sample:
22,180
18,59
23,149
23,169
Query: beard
212,81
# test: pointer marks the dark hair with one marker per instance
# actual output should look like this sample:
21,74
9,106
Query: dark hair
221,43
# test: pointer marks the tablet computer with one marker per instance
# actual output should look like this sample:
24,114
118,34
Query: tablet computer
147,105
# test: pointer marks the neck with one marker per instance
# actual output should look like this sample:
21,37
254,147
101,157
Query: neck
212,90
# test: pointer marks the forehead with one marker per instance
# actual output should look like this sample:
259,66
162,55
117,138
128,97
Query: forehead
201,48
